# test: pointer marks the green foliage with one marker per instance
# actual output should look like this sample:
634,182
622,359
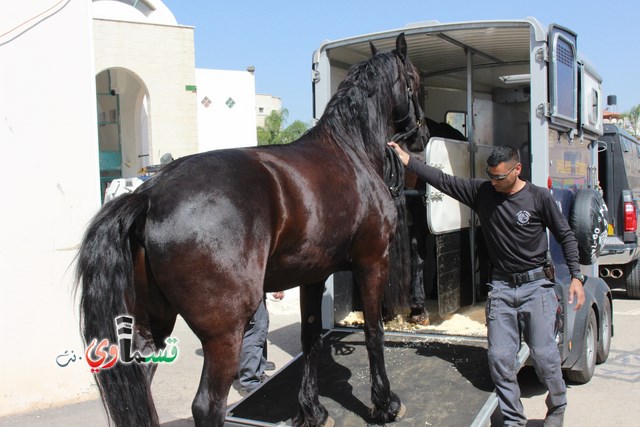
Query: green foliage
273,132
633,118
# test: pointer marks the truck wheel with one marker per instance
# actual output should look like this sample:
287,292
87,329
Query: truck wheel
588,220
632,280
588,356
604,343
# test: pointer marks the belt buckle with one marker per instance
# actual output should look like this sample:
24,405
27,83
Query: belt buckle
519,278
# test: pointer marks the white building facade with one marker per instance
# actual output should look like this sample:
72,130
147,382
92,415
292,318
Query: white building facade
265,104
145,79
89,91
50,174
226,109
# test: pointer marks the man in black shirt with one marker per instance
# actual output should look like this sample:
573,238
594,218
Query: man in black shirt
515,215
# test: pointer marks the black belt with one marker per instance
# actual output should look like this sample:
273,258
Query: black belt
520,278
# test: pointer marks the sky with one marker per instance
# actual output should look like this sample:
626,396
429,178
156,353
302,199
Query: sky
278,37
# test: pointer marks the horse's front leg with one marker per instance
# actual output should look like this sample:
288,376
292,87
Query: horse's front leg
387,405
312,413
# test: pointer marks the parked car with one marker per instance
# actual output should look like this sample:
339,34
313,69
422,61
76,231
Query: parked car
619,175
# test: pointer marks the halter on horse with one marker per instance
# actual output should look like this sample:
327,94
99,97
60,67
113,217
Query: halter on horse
211,233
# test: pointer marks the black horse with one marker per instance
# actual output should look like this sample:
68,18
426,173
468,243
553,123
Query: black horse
211,233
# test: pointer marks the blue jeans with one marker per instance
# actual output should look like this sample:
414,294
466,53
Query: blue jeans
529,309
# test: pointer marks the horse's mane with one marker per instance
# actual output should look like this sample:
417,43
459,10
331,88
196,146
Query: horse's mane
367,81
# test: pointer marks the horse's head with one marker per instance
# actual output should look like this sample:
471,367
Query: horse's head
410,130
376,102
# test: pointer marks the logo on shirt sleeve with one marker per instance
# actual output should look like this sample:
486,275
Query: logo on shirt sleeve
523,217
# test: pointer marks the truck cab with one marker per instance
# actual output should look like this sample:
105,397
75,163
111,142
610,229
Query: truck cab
619,175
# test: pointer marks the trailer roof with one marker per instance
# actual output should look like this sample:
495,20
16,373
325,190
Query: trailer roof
438,49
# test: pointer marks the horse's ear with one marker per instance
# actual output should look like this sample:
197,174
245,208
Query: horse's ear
401,46
374,51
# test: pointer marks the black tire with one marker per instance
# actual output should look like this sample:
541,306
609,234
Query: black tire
588,220
588,356
632,280
604,343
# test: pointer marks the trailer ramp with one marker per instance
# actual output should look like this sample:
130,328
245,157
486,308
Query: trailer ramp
442,380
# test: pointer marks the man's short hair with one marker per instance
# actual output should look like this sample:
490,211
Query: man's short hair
502,154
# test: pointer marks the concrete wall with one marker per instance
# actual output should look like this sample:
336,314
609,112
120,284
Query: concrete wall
49,179
162,56
226,109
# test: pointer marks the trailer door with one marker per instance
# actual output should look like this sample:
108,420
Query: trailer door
563,77
450,223
445,214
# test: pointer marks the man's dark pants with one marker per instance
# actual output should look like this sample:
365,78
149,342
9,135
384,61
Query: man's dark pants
531,306
253,355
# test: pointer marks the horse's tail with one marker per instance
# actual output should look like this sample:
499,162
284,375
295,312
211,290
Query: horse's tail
105,277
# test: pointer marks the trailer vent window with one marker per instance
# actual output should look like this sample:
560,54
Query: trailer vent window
565,61
593,112
563,79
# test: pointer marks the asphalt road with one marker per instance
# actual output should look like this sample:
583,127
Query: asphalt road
610,399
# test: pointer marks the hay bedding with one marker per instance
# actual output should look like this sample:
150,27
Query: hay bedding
468,321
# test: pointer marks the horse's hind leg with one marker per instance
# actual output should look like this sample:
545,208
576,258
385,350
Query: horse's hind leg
312,413
220,364
370,280
154,316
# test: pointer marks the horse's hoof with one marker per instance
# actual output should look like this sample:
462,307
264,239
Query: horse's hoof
419,317
401,412
328,422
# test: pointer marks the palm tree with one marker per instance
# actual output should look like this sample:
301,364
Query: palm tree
633,116
273,133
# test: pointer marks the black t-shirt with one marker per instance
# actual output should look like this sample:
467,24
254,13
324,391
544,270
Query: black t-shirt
514,226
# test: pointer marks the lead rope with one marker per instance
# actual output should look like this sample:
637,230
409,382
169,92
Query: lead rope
393,171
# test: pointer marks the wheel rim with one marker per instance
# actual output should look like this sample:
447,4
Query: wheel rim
591,348
606,329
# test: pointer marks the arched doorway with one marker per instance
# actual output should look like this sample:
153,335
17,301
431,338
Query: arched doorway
123,129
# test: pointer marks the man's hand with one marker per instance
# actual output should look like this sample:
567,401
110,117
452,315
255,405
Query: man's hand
278,295
576,289
404,157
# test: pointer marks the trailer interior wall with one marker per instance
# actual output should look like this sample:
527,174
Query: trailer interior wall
501,109
509,67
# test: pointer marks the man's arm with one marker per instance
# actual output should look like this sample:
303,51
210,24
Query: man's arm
559,227
463,190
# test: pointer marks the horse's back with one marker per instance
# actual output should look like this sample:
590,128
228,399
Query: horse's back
210,199
292,209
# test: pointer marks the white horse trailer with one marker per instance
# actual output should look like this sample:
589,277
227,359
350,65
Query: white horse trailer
511,83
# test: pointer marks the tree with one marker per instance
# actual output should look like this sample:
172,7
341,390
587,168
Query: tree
633,116
273,132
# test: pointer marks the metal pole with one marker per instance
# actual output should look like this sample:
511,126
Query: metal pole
472,166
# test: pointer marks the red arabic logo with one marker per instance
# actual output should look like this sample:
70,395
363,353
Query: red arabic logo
104,355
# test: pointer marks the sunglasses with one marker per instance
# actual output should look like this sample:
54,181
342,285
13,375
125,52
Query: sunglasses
500,177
